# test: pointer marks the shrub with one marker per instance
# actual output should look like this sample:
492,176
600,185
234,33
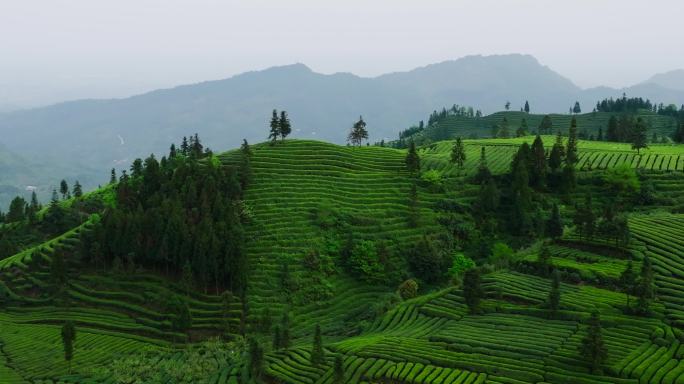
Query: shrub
364,261
408,289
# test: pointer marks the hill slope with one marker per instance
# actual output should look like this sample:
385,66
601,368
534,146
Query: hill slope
306,199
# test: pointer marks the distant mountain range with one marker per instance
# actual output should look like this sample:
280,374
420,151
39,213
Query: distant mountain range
85,138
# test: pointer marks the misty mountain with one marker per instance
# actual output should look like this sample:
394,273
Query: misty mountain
85,138
672,80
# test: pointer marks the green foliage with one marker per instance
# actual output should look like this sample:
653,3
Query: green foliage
501,254
432,176
365,261
460,263
190,365
622,179
179,313
554,226
427,263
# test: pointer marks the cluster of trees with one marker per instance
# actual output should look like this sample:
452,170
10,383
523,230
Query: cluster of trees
280,126
455,110
624,104
183,213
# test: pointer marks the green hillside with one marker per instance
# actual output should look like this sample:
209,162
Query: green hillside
308,211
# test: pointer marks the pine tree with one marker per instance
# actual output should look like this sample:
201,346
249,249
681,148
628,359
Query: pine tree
285,330
112,177
317,352
612,131
527,107
571,149
483,172
245,170
504,132
554,226
639,138
256,359
358,132
522,129
34,207
600,134
546,125
78,190
413,159
645,287
554,293
593,348
275,127
557,154
414,212
544,261
68,338
538,174
276,338
521,193
472,290
338,370
628,280
458,154
284,126
576,109
63,188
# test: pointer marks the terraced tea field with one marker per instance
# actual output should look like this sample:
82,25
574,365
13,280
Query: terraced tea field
308,196
292,180
593,155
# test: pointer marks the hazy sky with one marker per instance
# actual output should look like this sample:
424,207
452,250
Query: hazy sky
63,49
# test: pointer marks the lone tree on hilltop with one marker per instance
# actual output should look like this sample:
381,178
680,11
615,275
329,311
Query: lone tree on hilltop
78,189
275,127
593,348
527,107
576,109
284,125
68,338
358,132
472,291
412,159
507,105
317,352
458,155
64,189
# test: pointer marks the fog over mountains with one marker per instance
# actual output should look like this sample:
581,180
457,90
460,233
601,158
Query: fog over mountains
83,139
